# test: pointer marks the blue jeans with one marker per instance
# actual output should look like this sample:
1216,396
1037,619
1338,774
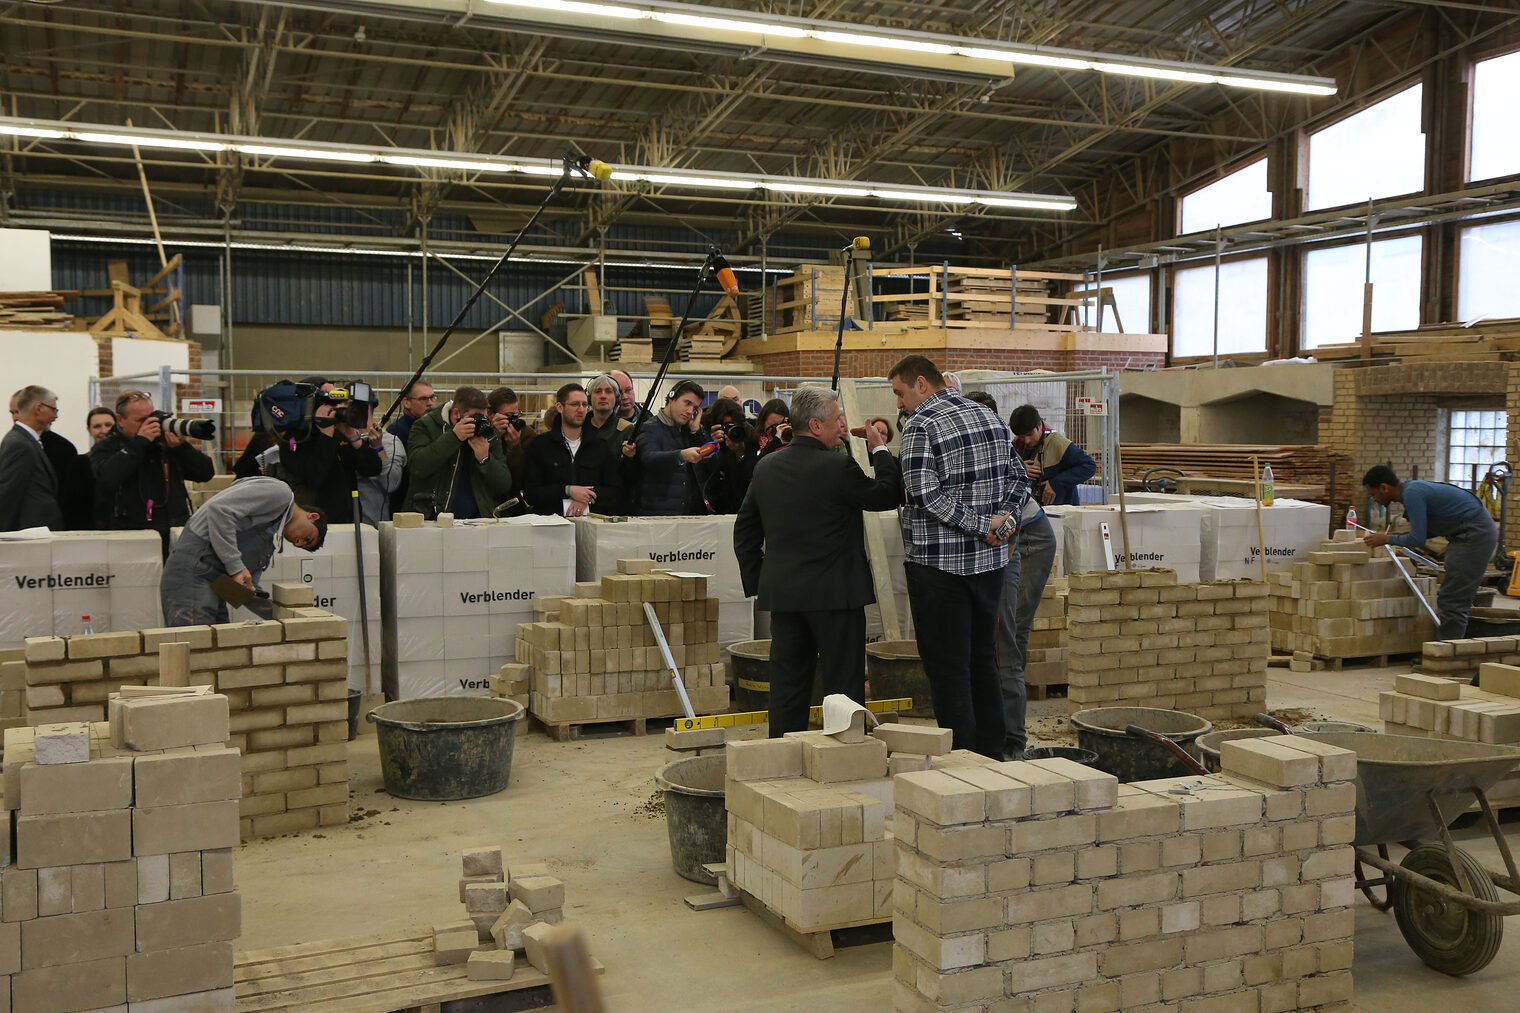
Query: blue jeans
956,620
1023,583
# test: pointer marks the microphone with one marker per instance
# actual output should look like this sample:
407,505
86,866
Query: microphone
860,243
725,275
593,167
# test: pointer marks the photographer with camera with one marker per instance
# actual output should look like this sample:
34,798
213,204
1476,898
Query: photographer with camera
1056,465
517,435
571,472
667,450
775,427
725,476
344,446
141,467
458,459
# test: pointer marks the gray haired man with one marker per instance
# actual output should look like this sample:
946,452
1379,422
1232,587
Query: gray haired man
800,539
28,484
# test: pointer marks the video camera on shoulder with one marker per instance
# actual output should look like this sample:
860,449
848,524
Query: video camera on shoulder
195,429
352,400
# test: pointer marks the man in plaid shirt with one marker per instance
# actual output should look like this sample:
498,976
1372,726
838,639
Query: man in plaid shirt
963,480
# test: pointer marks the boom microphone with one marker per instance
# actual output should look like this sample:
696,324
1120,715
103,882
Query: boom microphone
593,167
860,243
725,275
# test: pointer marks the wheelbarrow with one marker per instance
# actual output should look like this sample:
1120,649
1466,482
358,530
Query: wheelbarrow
1445,902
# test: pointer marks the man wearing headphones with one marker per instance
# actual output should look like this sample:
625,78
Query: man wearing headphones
667,447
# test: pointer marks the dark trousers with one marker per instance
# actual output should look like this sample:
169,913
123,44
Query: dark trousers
956,621
833,640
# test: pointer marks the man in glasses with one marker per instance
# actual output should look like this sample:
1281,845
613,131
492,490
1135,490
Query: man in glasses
417,403
28,484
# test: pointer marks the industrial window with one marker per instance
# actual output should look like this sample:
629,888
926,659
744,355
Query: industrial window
1378,152
1132,295
1242,196
1333,280
1242,308
1495,142
1475,441
1488,264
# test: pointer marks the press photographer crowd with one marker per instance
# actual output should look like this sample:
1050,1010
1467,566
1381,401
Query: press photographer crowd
970,489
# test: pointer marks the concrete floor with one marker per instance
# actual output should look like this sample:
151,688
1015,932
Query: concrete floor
583,808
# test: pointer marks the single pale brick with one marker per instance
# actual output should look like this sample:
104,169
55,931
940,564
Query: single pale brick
1138,813
1270,761
483,862
1077,831
533,938
1006,798
539,893
1429,687
490,965
939,798
923,739
763,759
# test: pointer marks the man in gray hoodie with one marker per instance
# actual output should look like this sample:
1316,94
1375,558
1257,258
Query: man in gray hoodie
234,534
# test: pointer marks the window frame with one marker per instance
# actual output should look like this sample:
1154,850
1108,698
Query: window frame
1470,80
1450,447
1207,262
1393,90
1303,250
1508,218
1080,289
1237,167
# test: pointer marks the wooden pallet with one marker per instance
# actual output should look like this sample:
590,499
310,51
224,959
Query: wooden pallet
820,942
571,731
1321,664
368,974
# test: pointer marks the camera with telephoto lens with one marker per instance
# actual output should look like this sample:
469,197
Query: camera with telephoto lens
483,425
195,429
736,431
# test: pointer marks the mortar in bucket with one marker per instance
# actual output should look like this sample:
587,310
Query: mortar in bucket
1101,729
443,748
695,816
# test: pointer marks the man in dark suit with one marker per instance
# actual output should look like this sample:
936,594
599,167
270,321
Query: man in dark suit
28,486
800,539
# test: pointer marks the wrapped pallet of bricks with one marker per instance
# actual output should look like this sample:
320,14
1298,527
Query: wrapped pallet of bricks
1348,601
454,594
121,893
71,582
1160,537
598,659
1045,664
809,829
1230,542
694,544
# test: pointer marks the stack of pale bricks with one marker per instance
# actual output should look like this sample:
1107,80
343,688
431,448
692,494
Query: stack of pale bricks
595,658
1045,664
1461,659
1344,601
1430,706
121,894
512,909
1138,638
513,682
12,688
286,681
1048,885
807,815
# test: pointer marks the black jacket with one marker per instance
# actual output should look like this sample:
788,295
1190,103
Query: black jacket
800,536
76,486
724,479
28,486
129,474
324,470
550,467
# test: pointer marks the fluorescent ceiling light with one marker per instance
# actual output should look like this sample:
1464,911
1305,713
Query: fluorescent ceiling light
1160,73
21,131
546,167
150,141
657,21
324,154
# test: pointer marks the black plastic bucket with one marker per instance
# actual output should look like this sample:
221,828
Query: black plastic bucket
894,671
695,817
355,697
750,661
438,749
1101,729
1208,745
1086,757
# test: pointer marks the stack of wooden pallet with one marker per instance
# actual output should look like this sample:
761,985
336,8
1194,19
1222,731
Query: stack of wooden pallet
983,299
808,300
713,338
1318,466
32,311
1487,339
632,349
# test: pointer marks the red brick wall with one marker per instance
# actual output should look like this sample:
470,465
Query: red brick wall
876,362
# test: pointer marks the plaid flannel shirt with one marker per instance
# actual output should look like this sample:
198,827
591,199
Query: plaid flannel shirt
960,470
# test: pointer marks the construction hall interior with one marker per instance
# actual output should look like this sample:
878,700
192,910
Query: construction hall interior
742,506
